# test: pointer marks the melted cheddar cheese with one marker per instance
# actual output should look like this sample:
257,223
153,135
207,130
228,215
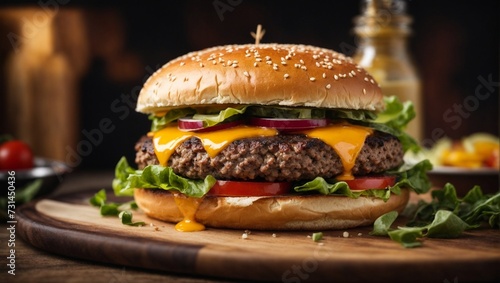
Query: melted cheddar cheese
167,139
188,207
347,141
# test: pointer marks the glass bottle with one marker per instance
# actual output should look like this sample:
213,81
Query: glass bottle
382,31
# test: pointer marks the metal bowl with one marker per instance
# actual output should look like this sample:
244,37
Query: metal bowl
28,184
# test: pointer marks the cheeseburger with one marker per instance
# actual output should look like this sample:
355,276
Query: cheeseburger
271,137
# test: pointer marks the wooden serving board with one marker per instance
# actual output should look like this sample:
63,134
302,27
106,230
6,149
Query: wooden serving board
68,226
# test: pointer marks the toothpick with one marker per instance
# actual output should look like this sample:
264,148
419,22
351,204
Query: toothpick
259,35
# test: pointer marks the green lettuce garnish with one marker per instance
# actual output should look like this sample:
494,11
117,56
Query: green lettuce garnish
122,210
214,119
158,123
446,216
393,120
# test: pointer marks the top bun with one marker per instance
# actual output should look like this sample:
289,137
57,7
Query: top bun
264,74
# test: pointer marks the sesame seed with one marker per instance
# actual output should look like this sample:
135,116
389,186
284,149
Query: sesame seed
182,63
304,68
318,64
296,65
235,65
274,235
201,65
345,234
312,79
286,76
360,234
336,77
214,62
248,55
269,62
255,64
258,59
328,86
288,57
366,79
275,68
372,81
283,63
324,76
244,236
301,61
364,91
246,74
350,75
229,62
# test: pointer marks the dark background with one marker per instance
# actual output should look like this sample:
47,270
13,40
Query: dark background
453,44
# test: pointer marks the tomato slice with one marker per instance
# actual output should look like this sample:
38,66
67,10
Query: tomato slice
288,124
189,124
249,188
371,183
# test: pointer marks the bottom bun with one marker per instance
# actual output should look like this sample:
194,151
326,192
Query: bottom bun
311,212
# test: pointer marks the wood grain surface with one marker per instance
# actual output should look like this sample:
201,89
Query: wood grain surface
67,225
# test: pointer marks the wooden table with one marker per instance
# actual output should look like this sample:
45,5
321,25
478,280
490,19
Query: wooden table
467,259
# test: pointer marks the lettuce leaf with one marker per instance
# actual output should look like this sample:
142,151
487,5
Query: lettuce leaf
414,177
446,216
214,119
158,123
393,120
157,177
473,208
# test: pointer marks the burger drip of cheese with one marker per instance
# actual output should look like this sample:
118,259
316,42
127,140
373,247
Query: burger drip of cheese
290,127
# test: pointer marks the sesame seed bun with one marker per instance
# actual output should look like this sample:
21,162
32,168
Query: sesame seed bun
264,74
288,212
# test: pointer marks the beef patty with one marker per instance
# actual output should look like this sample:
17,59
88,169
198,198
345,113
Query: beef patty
277,158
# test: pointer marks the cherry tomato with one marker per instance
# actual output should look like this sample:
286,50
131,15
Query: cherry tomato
188,124
240,188
15,155
288,124
371,183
